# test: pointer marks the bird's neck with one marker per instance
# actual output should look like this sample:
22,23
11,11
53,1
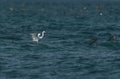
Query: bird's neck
38,35
42,35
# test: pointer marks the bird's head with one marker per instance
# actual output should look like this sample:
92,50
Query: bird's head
44,32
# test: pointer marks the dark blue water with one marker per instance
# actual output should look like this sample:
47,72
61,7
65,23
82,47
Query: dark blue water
64,52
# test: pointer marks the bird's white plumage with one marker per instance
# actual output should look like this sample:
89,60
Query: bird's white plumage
38,36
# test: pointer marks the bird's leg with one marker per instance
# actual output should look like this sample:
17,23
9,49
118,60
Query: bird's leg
37,42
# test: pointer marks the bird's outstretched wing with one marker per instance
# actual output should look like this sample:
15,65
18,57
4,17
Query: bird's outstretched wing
34,35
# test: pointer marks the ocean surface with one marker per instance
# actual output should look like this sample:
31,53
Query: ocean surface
64,52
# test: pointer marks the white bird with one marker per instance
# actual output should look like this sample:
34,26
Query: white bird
101,14
38,36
